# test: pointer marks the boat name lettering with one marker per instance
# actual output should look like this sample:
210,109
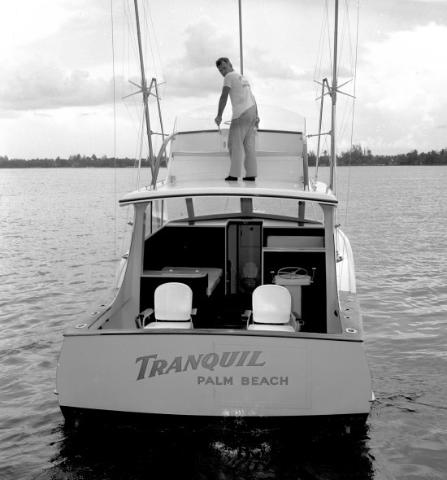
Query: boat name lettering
151,366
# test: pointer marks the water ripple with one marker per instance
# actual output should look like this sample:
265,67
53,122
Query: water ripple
57,264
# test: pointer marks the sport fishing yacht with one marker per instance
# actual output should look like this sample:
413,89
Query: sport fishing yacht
237,299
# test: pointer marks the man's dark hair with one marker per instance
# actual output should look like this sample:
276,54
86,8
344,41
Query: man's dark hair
223,59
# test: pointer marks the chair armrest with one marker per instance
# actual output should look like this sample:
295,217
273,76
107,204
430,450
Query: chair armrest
296,323
247,315
141,318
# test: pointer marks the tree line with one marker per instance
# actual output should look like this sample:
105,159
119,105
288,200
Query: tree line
363,156
357,155
73,161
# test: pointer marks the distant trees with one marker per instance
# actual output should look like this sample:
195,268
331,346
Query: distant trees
358,155
73,161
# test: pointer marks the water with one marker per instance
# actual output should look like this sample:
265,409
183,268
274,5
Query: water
59,243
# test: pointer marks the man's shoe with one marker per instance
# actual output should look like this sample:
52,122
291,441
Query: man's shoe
249,179
231,179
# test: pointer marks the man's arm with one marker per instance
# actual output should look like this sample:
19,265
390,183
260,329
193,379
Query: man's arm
222,102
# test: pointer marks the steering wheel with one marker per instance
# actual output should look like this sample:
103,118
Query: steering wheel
291,272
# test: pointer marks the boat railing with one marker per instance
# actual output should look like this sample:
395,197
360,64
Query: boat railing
160,156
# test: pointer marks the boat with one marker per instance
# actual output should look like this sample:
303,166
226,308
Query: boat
235,300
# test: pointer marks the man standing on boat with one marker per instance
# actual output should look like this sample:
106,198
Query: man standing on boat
244,121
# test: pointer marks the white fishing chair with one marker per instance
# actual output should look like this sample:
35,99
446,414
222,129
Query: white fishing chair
272,309
172,306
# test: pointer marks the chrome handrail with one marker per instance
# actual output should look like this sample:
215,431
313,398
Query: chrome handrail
158,159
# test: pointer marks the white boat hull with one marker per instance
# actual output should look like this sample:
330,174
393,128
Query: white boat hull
219,375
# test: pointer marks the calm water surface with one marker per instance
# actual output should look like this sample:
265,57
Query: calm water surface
61,234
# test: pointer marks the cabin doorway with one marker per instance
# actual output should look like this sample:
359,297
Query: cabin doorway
243,257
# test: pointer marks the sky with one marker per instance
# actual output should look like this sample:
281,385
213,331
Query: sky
66,67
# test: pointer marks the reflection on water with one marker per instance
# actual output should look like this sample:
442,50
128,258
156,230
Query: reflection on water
228,450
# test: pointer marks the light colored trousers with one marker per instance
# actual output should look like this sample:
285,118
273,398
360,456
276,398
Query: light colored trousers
241,144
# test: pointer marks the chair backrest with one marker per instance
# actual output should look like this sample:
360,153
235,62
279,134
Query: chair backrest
173,302
272,304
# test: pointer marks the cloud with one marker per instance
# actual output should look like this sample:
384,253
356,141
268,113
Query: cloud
55,56
273,67
194,73
405,67
204,44
38,85
401,85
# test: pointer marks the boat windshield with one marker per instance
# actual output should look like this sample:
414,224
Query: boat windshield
271,118
218,207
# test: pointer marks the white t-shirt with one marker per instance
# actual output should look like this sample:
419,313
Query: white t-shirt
240,93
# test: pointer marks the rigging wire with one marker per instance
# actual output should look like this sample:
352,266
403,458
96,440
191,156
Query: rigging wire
133,107
157,47
130,49
148,33
114,130
353,110
140,153
324,70
329,37
324,54
158,61
317,69
346,44
133,41
345,125
127,47
151,50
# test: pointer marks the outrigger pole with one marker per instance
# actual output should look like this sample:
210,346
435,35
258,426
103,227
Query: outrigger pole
334,103
145,92
240,38
332,91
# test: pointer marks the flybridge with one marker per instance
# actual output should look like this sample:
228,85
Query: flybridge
198,163
203,155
